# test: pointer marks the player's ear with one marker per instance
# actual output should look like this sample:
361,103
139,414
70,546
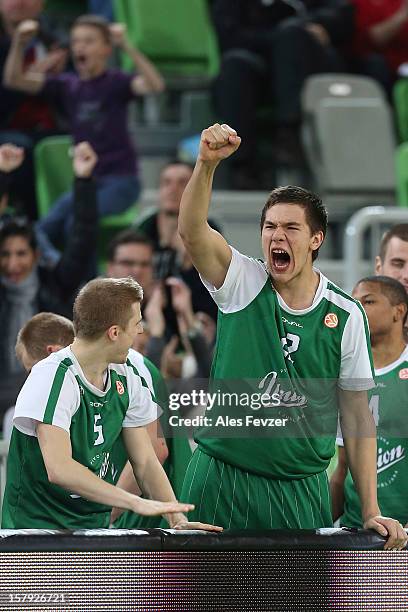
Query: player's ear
113,332
400,311
378,265
317,240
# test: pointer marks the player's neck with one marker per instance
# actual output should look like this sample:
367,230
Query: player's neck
92,361
387,348
300,291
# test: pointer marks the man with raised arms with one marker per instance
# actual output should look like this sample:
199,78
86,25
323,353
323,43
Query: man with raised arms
285,320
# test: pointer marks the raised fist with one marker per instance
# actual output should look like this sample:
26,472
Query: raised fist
85,160
26,30
118,33
11,157
218,142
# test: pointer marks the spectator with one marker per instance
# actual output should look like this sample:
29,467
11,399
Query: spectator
131,254
96,102
24,120
170,257
26,286
381,38
392,259
268,49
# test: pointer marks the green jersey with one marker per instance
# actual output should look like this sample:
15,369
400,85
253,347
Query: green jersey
389,404
57,393
261,338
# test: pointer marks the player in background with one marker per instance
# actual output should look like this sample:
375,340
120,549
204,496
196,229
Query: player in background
385,302
281,319
70,413
392,259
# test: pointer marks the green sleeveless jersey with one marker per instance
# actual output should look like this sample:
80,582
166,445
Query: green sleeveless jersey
298,356
389,404
57,393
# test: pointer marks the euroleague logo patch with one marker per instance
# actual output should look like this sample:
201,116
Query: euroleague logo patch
331,320
120,388
403,374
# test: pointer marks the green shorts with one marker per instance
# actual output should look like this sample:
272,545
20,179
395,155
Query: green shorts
234,499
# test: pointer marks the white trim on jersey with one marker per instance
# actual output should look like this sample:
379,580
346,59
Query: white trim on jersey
33,397
244,280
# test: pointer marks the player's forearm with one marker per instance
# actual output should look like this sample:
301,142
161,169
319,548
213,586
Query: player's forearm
337,494
77,479
155,485
195,203
144,66
362,459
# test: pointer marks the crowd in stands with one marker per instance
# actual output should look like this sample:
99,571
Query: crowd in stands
50,87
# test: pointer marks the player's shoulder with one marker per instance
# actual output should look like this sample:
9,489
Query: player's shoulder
135,365
343,300
59,360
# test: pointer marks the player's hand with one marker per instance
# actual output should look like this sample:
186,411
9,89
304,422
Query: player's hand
85,160
397,537
193,525
11,157
26,30
118,34
181,522
53,63
217,143
150,507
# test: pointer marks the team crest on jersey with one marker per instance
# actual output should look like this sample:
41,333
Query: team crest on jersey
403,374
120,388
331,320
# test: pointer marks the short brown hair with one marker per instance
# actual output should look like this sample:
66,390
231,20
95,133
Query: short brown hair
43,329
104,302
397,231
316,213
94,21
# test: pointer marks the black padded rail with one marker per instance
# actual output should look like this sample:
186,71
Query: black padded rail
159,540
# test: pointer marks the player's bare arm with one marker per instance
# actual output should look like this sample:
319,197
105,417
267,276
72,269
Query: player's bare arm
360,443
64,471
209,251
14,76
127,478
151,477
337,481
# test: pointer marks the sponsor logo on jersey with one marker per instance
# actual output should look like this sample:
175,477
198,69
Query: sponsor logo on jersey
96,404
403,374
331,320
387,458
120,388
292,323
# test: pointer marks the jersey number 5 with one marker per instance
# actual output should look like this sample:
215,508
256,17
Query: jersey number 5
98,430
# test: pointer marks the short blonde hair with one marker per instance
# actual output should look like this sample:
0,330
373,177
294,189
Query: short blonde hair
41,330
104,302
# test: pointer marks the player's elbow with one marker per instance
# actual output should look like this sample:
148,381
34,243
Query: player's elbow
56,472
162,452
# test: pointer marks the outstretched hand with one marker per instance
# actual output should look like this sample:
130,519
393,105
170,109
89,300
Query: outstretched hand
217,143
11,157
150,507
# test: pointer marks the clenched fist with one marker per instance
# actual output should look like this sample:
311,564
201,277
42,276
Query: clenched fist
217,143
26,30
85,160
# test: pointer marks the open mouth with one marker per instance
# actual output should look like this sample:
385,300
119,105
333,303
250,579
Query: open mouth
280,260
80,60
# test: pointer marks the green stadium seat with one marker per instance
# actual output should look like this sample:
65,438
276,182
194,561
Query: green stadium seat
400,95
401,163
54,176
176,35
